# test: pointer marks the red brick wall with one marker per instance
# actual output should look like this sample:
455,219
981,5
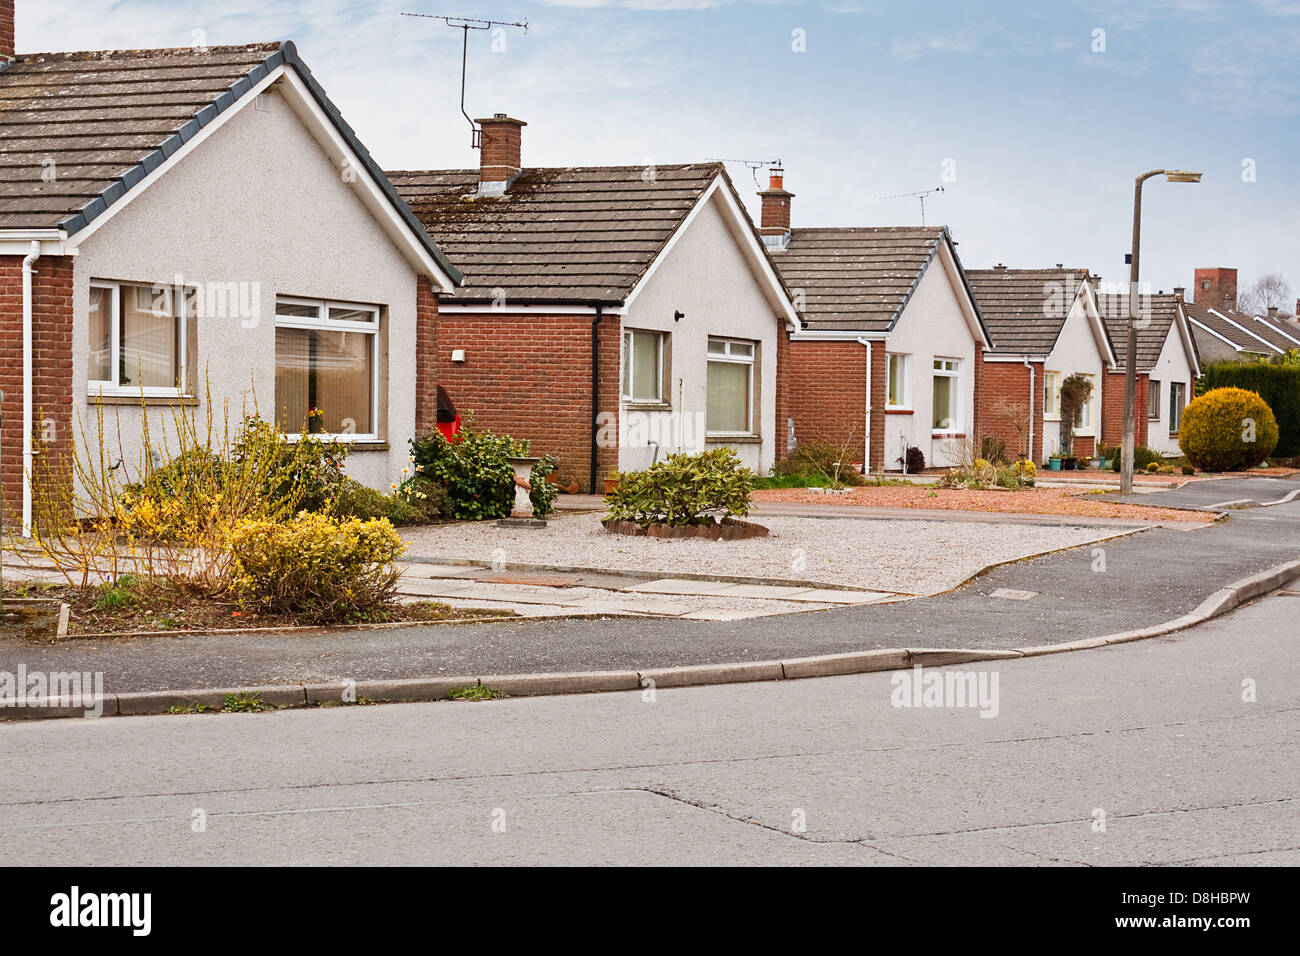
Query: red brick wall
7,28
51,371
995,380
530,376
426,356
1112,408
1222,293
825,387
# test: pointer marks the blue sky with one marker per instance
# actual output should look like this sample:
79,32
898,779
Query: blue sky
1042,134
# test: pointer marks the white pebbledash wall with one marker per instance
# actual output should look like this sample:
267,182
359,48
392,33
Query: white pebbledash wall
932,326
706,277
1172,366
257,202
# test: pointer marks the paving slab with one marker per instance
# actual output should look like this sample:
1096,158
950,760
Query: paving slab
437,571
726,614
833,596
659,606
775,592
681,586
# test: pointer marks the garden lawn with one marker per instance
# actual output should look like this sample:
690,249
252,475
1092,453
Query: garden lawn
1037,501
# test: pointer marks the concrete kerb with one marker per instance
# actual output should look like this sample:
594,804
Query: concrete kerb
524,685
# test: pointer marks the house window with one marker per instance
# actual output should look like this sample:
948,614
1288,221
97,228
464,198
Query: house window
1177,391
1052,395
896,394
946,381
326,368
643,357
1153,400
1087,412
730,387
140,338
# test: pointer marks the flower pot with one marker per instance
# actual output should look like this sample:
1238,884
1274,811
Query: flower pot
611,485
1070,464
1054,464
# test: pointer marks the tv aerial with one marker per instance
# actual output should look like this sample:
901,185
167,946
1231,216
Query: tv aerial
921,195
465,24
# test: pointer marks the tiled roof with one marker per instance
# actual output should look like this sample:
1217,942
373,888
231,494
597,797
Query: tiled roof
582,234
1266,330
1025,309
71,124
79,130
856,280
1160,311
1216,322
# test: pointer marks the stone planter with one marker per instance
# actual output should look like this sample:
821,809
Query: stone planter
523,471
729,529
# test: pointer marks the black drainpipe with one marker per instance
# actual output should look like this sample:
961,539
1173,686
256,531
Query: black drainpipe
595,393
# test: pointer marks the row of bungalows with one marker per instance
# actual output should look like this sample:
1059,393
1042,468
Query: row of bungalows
200,230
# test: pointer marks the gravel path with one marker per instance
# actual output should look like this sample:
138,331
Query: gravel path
917,557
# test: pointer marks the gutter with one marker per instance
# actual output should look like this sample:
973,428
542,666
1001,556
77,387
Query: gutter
1032,388
866,441
26,385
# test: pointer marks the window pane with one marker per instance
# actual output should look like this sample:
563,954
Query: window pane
150,343
627,364
351,315
101,335
717,347
331,371
728,405
295,310
895,380
742,349
943,402
644,367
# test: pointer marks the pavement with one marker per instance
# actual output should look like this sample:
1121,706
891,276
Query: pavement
1217,494
1131,582
1139,754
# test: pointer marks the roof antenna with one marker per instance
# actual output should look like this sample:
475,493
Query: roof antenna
465,24
754,165
917,195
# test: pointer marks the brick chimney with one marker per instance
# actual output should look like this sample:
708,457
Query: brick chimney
6,31
1215,288
1272,311
500,152
774,223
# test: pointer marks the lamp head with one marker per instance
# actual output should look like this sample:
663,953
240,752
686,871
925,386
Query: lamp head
1181,176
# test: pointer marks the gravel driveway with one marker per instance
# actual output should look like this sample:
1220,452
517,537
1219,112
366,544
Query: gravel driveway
916,557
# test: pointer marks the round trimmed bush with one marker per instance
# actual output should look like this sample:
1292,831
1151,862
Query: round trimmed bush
1227,429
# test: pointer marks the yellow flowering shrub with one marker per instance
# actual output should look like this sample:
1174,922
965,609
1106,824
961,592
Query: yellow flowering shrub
315,565
1227,429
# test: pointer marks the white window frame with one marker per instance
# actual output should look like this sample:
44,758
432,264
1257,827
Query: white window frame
1052,387
1176,408
625,391
100,387
727,357
905,387
1154,388
1088,423
955,408
322,323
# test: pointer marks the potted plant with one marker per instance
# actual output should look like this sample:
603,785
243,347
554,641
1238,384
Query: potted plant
1075,390
611,482
1054,462
315,421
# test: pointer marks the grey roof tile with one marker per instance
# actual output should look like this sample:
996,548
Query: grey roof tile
1025,309
561,234
1220,326
1158,310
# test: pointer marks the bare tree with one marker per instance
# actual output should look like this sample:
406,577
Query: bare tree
1268,290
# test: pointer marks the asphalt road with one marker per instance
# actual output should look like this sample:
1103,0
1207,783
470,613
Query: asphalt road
1136,581
1155,735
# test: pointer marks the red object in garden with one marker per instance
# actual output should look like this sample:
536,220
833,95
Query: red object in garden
448,418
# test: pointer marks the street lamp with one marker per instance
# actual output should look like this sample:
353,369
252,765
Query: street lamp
1130,359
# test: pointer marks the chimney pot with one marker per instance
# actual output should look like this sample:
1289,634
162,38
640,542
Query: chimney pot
1272,311
500,153
1180,292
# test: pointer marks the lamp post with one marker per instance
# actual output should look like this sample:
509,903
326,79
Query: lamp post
1130,357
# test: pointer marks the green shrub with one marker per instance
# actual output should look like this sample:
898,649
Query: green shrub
1277,383
323,568
683,489
543,493
817,457
479,481
417,501
994,450
915,460
1143,457
304,474
1227,429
